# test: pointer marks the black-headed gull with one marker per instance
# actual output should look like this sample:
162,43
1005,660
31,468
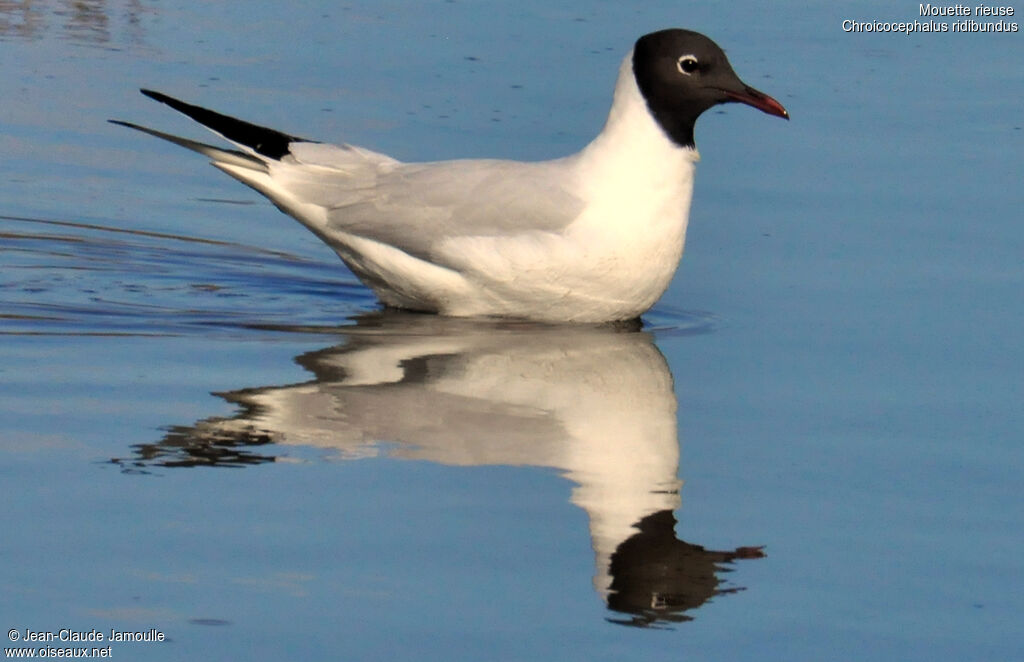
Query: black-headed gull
592,237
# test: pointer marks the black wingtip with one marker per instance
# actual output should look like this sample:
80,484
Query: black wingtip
267,142
153,94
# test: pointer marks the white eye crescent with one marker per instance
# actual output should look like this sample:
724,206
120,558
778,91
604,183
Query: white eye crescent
687,64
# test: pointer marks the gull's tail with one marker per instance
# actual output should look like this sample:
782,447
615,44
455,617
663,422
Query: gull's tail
259,150
217,154
258,143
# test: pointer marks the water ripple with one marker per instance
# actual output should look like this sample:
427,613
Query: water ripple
63,277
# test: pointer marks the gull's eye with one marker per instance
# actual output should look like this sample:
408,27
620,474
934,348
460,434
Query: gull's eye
687,64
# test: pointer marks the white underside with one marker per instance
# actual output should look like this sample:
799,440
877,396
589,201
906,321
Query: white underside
593,237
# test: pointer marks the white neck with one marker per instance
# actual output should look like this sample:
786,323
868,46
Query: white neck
632,136
636,185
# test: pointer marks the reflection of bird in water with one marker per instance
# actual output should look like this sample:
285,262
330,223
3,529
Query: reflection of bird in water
596,403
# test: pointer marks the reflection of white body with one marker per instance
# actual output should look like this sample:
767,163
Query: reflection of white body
595,403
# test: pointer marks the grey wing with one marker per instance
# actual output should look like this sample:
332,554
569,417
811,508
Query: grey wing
415,207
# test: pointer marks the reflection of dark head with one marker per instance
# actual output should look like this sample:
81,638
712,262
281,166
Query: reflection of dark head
656,577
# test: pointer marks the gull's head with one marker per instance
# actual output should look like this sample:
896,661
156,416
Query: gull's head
682,73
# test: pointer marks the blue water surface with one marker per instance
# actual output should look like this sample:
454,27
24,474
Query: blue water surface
811,450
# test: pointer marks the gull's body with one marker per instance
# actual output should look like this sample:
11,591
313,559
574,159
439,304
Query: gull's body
592,237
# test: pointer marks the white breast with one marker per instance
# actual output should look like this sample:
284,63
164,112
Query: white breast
617,257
